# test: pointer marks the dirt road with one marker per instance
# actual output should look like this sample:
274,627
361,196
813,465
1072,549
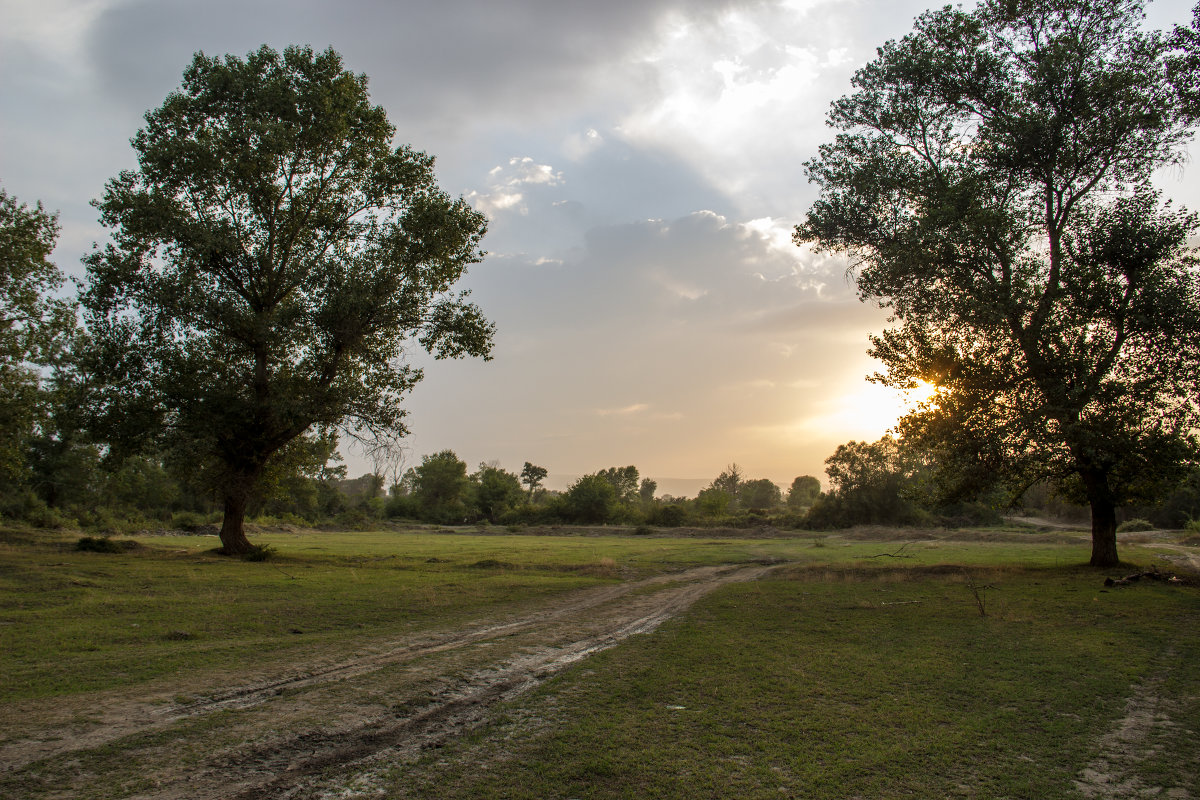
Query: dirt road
310,726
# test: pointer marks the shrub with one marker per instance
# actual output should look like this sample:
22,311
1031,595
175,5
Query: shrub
668,516
1134,525
259,552
190,521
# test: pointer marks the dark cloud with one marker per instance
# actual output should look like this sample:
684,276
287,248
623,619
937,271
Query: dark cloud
444,64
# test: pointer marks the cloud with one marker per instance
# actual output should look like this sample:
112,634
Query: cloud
742,98
577,146
444,67
505,191
636,408
522,170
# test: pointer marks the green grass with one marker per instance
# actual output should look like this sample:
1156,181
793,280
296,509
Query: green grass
861,668
74,621
837,683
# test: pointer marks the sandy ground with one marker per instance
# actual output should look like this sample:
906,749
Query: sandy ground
309,728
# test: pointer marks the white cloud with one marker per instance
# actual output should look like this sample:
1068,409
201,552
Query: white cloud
505,191
636,408
524,170
744,99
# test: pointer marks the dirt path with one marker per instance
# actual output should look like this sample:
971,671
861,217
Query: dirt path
1186,557
1115,774
309,722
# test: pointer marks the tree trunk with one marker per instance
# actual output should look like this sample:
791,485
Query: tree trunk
233,530
1104,519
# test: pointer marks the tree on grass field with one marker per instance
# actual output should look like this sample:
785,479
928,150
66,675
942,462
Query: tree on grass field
33,324
532,476
592,498
274,257
440,486
870,483
804,491
496,491
991,182
760,494
624,481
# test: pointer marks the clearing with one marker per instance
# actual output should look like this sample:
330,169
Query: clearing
436,664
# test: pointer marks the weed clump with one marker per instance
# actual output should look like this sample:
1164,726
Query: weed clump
259,552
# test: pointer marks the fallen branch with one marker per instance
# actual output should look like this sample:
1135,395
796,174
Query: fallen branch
1152,575
897,554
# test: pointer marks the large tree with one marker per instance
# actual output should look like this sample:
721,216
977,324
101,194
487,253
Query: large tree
991,183
33,323
273,259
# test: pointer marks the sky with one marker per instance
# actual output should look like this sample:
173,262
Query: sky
641,166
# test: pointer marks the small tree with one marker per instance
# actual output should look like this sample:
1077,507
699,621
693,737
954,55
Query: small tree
760,495
496,491
713,502
624,481
440,486
804,492
870,483
592,498
532,477
729,481
273,259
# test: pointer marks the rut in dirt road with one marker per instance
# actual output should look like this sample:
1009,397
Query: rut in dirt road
292,734
124,719
460,709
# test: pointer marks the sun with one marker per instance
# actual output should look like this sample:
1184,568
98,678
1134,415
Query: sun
871,410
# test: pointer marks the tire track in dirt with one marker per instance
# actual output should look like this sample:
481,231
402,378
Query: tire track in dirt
119,718
246,696
262,761
1114,773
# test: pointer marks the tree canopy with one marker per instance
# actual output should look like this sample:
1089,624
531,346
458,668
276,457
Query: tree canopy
33,323
273,259
991,182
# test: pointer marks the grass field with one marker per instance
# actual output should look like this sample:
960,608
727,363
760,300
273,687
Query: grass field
865,683
862,666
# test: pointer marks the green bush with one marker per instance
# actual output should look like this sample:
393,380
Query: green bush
24,505
1134,525
259,552
668,515
402,506
189,520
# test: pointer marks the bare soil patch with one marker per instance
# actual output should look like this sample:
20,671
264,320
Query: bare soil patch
311,722
1114,774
